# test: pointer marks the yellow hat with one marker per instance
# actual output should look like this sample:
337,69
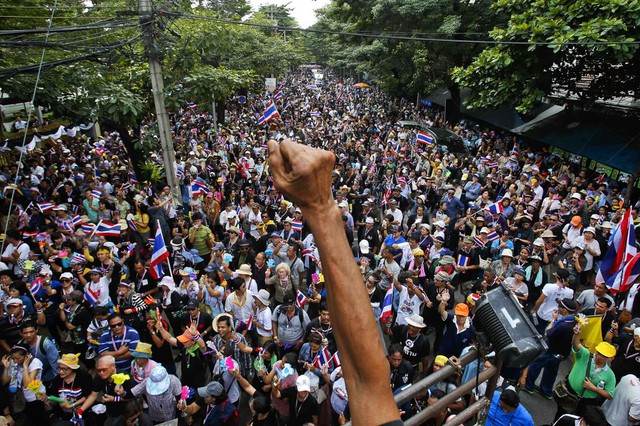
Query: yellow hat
418,252
606,349
70,360
441,360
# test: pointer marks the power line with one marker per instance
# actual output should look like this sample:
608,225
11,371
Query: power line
407,38
93,25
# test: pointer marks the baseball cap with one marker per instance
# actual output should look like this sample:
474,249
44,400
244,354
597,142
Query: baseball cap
212,389
461,309
66,275
303,384
568,304
364,246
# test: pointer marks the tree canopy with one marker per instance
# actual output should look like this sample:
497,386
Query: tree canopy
587,58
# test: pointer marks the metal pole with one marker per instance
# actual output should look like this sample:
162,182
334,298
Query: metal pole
157,84
469,412
215,118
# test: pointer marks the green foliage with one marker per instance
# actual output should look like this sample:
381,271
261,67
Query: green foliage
403,67
152,171
523,75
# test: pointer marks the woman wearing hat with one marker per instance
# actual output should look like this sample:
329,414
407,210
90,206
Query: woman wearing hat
72,384
503,267
160,390
575,262
142,363
194,364
518,286
281,283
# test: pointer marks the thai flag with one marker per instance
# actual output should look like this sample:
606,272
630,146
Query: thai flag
281,85
179,173
485,159
199,187
87,228
76,220
495,208
478,241
323,357
425,138
132,179
387,305
89,296
312,87
387,194
622,248
270,113
241,325
622,280
463,260
132,225
126,186
44,207
79,258
210,169
315,113
278,95
96,193
300,299
151,241
288,105
99,150
131,248
107,229
492,164
159,255
402,180
493,235
309,253
335,359
242,99
29,234
192,105
296,225
35,287
515,150
600,179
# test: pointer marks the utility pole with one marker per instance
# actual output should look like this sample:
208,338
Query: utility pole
164,127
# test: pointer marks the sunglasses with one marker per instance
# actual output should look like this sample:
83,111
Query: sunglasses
63,369
116,325
103,370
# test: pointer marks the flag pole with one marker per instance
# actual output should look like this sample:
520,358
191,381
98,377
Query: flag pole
159,228
95,229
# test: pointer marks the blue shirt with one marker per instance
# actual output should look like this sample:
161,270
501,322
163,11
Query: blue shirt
111,343
498,417
452,342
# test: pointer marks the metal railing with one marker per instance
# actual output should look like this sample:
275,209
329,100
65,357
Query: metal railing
489,375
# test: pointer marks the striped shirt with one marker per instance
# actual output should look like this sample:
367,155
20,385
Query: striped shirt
111,343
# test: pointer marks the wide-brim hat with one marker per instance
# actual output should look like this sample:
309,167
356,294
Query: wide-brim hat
70,360
244,269
416,321
263,296
158,381
606,349
217,318
142,350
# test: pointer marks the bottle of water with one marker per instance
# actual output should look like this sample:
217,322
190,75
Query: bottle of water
534,319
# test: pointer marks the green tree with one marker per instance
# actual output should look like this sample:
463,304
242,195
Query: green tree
572,67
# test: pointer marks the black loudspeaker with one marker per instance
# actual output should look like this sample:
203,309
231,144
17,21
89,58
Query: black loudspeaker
508,328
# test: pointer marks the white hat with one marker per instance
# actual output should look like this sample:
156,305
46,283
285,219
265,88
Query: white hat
66,275
484,230
303,384
369,220
538,242
60,208
590,229
441,224
364,246
263,296
14,301
506,252
577,196
416,321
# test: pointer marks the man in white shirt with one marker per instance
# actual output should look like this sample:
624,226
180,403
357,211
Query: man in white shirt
394,211
551,293
240,302
16,250
624,408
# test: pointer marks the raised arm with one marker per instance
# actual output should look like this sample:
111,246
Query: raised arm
303,174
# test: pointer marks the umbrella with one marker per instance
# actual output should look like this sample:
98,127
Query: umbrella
361,85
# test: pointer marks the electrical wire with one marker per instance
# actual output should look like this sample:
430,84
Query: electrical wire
407,38
93,25
26,129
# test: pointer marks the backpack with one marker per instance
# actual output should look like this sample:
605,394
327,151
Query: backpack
232,420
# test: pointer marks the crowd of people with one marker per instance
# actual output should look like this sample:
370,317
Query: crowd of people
233,326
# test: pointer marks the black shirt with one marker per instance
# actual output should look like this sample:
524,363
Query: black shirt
78,388
403,375
413,349
627,359
299,412
114,409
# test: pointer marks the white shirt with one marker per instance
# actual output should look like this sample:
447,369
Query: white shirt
22,248
625,403
407,306
101,288
264,318
397,215
240,312
552,292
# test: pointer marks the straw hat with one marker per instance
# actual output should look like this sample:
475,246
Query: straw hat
70,360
